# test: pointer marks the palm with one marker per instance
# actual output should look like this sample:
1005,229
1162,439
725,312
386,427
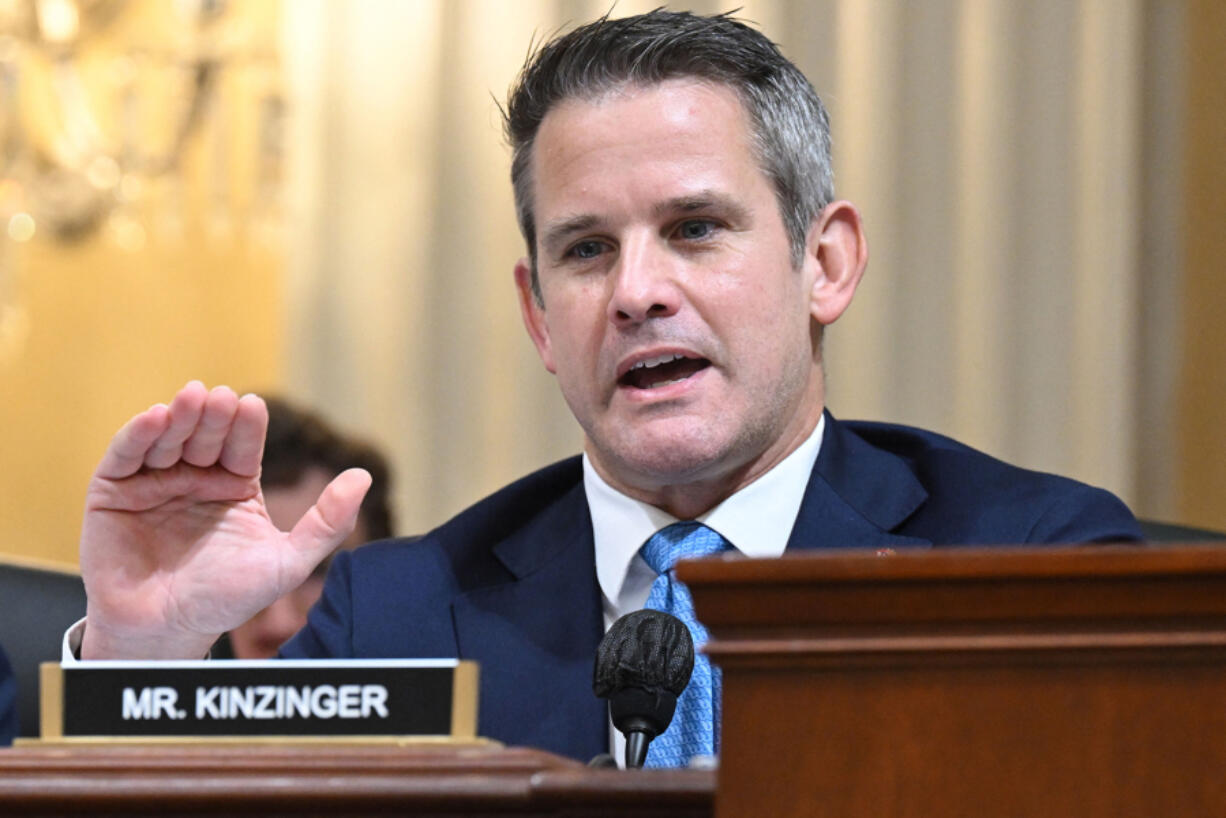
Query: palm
146,555
176,546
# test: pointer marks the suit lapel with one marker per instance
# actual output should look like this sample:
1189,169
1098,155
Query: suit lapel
536,635
858,496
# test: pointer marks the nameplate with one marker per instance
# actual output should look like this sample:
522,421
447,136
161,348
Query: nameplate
233,698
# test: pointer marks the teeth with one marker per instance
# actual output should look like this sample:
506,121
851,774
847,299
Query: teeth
665,383
657,361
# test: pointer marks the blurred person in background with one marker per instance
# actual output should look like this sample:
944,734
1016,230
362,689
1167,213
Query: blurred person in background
301,455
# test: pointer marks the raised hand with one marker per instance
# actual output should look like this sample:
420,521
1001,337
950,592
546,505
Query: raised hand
176,546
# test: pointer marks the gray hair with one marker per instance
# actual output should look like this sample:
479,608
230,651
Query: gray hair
790,127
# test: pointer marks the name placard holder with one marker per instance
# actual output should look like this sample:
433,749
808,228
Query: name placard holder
327,699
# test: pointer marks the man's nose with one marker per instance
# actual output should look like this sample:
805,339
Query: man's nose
644,283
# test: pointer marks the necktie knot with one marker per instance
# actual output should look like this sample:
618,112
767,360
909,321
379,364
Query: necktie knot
686,540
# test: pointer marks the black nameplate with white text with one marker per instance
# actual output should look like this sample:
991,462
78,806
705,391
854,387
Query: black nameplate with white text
269,698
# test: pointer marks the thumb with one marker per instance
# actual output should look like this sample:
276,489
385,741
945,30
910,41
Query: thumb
327,523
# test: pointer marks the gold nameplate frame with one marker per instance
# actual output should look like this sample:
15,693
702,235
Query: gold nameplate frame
329,699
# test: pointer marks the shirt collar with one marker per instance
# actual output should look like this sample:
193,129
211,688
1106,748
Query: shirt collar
757,520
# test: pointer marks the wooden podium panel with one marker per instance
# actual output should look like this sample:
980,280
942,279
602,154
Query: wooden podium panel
1084,682
257,779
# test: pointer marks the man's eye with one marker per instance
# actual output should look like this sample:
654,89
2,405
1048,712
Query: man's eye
587,249
695,229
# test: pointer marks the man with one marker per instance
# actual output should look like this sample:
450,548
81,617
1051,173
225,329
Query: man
302,453
685,253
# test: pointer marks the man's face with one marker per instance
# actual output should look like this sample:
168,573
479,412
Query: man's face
679,330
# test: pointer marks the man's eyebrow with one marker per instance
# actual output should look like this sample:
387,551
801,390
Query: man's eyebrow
702,200
557,232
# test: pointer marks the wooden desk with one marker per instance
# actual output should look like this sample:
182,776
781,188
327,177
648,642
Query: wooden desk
1048,683
269,780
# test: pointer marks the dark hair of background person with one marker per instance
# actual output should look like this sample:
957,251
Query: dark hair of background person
299,440
790,127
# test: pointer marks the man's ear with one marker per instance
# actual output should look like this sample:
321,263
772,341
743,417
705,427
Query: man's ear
533,313
836,243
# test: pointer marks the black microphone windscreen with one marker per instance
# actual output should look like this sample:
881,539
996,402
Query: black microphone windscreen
643,664
644,649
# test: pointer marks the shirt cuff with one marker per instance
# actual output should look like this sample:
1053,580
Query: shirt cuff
70,649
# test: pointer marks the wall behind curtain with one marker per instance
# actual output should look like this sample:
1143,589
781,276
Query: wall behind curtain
996,149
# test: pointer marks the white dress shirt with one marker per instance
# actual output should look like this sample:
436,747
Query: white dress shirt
757,521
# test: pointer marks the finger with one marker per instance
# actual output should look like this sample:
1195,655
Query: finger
243,447
126,454
152,489
327,523
203,448
184,415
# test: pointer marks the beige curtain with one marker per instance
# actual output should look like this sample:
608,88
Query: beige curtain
997,150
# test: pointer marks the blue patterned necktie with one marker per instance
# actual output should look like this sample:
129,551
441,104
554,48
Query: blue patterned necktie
694,730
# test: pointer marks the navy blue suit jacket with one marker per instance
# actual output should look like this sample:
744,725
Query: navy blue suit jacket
8,702
511,581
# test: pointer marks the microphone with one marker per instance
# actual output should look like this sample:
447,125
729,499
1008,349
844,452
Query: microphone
642,665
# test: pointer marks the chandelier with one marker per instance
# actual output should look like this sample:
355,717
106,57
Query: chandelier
118,119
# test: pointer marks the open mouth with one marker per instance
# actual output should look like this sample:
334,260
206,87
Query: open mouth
662,371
